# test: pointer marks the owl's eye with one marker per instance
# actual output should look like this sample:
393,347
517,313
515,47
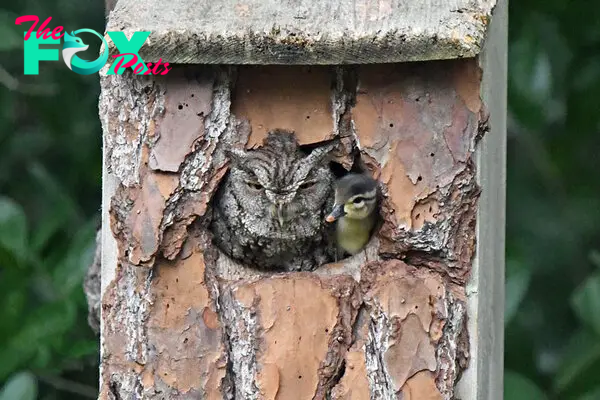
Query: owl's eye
254,185
308,184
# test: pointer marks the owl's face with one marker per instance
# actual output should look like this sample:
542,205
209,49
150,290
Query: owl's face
280,190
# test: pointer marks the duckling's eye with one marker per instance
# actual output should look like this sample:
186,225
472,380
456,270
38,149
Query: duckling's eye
358,202
307,184
254,185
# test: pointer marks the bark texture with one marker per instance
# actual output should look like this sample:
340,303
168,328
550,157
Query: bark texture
182,321
92,286
304,32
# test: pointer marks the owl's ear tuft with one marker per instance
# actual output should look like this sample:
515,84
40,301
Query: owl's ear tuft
235,155
323,151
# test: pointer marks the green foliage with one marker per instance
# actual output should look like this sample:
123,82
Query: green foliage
13,232
10,37
44,325
517,282
21,386
50,177
553,212
586,300
577,369
518,387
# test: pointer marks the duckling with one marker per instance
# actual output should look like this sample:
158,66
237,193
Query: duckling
355,210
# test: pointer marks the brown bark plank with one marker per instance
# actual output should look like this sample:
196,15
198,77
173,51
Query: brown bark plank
417,126
183,321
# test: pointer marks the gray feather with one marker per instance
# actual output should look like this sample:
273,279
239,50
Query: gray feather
269,211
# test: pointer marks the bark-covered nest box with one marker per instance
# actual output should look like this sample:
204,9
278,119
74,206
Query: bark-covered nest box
396,84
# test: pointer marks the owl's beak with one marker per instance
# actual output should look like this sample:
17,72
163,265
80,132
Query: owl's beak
336,213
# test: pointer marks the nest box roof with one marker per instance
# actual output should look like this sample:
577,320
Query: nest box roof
303,31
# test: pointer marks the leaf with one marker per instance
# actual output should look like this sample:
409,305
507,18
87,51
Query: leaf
591,395
54,189
595,258
517,283
62,209
47,324
13,227
586,302
83,348
11,34
13,304
71,270
519,387
21,386
47,226
581,359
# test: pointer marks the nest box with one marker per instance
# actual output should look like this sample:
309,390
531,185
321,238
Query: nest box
414,91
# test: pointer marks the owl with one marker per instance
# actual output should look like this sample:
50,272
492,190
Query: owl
269,210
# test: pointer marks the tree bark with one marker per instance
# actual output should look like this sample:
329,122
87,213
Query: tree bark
182,321
109,5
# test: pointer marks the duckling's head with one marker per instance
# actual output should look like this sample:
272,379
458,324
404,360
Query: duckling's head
356,197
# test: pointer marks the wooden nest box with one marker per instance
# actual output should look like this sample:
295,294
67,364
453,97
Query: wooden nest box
414,94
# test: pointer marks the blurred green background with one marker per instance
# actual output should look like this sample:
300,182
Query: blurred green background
50,167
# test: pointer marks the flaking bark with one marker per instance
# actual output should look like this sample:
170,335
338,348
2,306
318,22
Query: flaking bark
182,320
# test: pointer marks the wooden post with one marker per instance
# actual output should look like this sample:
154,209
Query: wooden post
406,90
484,378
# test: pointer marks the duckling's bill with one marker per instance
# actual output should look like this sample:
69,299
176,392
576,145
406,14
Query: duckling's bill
336,213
